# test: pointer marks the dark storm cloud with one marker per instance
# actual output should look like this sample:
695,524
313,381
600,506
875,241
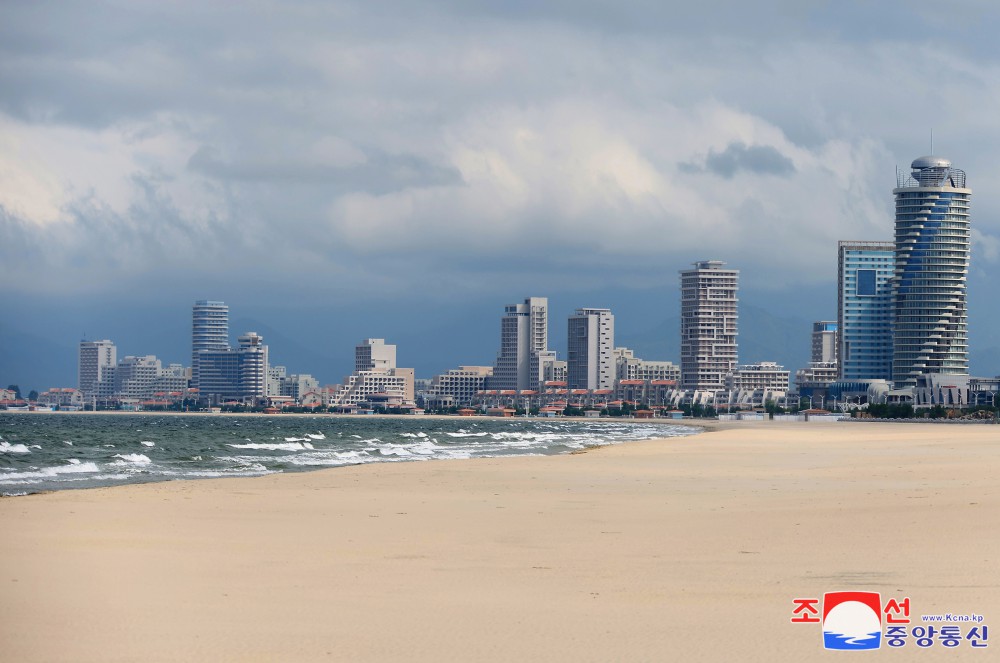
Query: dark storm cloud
760,159
173,132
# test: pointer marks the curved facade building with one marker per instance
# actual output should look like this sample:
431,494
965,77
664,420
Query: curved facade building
209,331
930,310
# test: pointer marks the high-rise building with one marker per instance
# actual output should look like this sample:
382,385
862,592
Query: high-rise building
864,310
824,342
238,374
930,322
590,360
709,324
96,362
209,331
524,338
372,354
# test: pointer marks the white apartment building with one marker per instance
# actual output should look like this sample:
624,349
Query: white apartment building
630,367
134,377
553,370
97,360
824,342
295,386
358,388
817,374
63,397
372,354
275,374
709,324
457,386
764,375
590,342
524,340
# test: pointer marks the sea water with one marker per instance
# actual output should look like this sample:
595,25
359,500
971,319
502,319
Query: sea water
55,451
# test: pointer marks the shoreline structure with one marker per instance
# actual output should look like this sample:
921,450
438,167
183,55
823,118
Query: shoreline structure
691,547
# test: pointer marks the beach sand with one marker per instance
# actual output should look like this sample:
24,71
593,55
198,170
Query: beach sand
688,549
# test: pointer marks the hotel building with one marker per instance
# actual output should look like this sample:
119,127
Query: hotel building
930,325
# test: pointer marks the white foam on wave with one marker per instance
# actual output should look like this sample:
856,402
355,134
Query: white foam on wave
134,459
465,434
331,459
147,443
8,448
287,446
316,436
413,435
74,467
296,439
67,442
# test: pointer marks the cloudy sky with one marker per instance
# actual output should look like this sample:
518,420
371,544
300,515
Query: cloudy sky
339,170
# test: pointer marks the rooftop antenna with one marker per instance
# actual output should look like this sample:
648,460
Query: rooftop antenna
932,141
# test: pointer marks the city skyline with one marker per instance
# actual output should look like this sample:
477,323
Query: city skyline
431,163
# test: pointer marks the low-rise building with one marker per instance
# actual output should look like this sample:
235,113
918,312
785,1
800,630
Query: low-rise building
61,397
766,375
456,387
816,375
359,387
630,367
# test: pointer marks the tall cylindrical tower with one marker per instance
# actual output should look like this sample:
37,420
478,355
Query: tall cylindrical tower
209,331
930,310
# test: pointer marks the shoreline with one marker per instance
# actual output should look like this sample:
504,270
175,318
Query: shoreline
408,417
625,552
50,473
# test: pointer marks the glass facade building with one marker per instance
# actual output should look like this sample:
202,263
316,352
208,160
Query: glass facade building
864,310
930,329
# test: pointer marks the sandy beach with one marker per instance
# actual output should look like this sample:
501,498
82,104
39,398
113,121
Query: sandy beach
686,549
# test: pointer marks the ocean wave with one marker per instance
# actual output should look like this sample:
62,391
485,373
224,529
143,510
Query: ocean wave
134,459
287,446
74,467
8,448
147,443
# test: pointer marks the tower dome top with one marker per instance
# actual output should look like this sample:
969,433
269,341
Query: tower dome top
930,162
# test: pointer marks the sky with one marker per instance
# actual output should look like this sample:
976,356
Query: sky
399,169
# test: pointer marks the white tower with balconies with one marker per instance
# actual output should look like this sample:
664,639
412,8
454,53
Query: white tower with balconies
930,310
